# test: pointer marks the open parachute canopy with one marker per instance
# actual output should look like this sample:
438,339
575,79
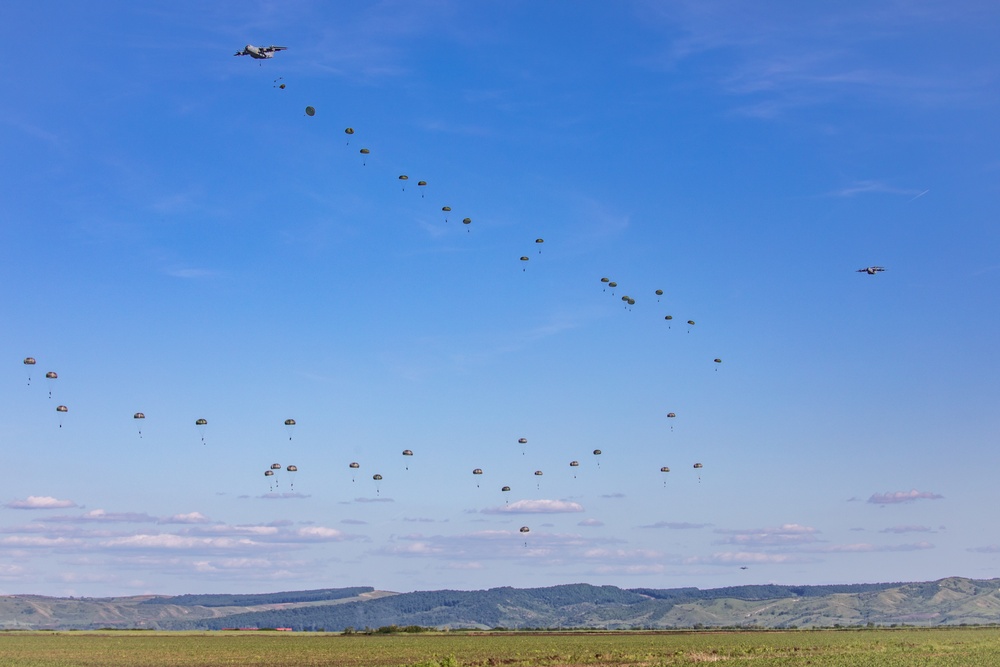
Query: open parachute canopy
310,111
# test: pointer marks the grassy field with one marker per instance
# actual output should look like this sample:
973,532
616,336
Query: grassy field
946,647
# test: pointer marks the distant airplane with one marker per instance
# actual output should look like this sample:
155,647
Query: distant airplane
872,270
260,52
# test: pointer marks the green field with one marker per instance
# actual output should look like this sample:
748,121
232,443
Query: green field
952,647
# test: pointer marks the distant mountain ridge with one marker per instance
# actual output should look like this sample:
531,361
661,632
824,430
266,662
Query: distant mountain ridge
950,601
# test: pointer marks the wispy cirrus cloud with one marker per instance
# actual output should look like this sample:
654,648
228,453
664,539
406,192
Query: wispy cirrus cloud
876,187
892,498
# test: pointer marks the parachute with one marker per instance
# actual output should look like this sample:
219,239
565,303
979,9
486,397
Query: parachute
668,318
139,415
698,466
289,426
505,489
477,471
524,258
574,464
201,425
446,210
538,473
690,324
403,178
51,376
597,452
348,131
718,361
61,409
539,242
467,221
522,442
377,478
671,415
29,362
364,151
525,529
421,184
291,484
407,452
664,469
275,466
354,466
310,111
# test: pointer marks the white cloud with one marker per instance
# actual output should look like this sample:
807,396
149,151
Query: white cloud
902,497
866,547
190,517
540,506
748,557
19,541
899,530
40,503
676,525
784,535
170,541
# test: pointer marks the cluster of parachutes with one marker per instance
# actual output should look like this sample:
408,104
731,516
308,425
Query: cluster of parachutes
276,473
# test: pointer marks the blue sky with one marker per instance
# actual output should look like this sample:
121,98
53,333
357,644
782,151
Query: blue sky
178,238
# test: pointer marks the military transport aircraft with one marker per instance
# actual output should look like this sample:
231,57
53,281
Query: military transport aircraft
260,52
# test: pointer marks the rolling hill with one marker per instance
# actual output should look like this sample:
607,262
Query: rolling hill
950,601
